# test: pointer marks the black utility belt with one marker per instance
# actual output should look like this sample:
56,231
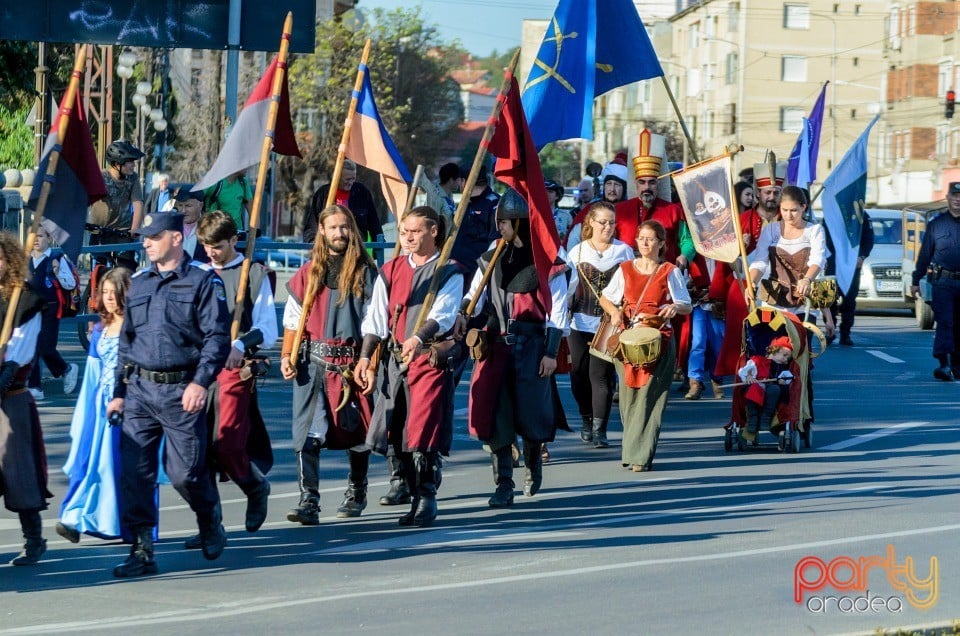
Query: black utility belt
324,350
945,274
165,377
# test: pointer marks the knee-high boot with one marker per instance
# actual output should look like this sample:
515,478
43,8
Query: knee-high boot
533,476
257,490
502,460
409,472
34,545
398,494
307,511
428,466
355,498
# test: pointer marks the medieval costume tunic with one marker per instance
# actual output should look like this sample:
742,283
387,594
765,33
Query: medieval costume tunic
23,459
592,379
414,410
643,390
323,382
509,378
787,260
332,340
239,433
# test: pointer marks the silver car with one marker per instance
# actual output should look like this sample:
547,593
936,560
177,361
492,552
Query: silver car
881,284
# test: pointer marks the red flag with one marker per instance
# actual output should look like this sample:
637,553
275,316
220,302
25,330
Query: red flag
243,146
76,184
518,166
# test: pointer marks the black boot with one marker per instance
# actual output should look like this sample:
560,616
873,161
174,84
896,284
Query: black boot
307,511
410,477
257,490
502,460
140,561
428,467
213,538
600,433
533,477
34,544
355,498
586,430
398,494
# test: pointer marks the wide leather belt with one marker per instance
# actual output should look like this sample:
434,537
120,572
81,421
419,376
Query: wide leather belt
164,377
947,274
324,350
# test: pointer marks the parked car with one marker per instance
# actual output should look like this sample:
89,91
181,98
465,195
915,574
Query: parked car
280,260
881,280
915,219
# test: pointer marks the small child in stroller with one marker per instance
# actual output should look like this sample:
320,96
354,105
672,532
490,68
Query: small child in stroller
768,378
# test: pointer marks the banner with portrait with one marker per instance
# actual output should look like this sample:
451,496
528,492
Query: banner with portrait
706,194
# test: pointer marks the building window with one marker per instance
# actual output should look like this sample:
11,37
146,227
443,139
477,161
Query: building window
944,78
791,119
730,119
694,35
693,82
796,16
708,125
794,68
731,67
733,16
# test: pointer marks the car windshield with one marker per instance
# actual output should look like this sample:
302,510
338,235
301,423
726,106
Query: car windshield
887,231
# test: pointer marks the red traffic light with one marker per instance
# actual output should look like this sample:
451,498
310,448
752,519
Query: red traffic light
948,110
951,96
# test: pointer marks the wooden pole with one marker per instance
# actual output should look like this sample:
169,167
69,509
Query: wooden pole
68,104
410,199
278,78
683,123
467,187
312,283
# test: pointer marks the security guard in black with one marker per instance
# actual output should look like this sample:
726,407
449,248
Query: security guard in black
939,261
173,343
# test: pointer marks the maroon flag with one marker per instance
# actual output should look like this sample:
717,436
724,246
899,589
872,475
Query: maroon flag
518,166
76,183
245,143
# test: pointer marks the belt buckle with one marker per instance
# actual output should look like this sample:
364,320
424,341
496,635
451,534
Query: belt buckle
510,339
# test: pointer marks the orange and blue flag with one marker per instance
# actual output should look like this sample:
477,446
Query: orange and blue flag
370,146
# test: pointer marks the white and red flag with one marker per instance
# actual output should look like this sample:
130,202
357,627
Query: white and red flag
245,143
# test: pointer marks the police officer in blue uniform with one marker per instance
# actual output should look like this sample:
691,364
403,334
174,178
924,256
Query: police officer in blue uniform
939,261
173,343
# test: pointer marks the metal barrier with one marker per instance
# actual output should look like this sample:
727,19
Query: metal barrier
379,248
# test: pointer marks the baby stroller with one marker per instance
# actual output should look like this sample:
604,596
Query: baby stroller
792,420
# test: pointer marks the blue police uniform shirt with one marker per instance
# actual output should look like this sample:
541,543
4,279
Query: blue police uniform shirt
941,246
175,321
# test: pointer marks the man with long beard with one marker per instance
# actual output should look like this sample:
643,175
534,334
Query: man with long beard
328,409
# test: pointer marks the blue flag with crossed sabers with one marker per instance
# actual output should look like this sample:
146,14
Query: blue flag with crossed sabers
573,66
844,192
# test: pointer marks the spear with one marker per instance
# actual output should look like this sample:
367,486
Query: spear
467,187
278,77
69,102
312,282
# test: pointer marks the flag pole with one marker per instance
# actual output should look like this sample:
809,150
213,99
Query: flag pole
254,223
683,123
311,289
411,197
69,103
467,187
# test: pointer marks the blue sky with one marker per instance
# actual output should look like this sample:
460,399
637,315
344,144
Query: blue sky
480,25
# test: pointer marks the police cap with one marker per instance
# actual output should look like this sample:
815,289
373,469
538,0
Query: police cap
157,222
954,188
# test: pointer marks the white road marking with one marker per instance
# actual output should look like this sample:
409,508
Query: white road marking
869,437
249,606
884,356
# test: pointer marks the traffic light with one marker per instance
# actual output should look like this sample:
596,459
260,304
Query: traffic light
948,111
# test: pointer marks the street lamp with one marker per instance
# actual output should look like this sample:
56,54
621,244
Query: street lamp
125,70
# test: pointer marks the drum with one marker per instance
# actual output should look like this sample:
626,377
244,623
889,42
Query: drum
640,346
601,346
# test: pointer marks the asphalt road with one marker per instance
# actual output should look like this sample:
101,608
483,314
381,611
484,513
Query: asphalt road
708,543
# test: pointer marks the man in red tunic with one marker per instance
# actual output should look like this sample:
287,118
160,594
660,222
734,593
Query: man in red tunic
414,408
648,205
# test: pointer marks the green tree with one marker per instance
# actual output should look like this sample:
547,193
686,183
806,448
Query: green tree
419,106
561,162
16,138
